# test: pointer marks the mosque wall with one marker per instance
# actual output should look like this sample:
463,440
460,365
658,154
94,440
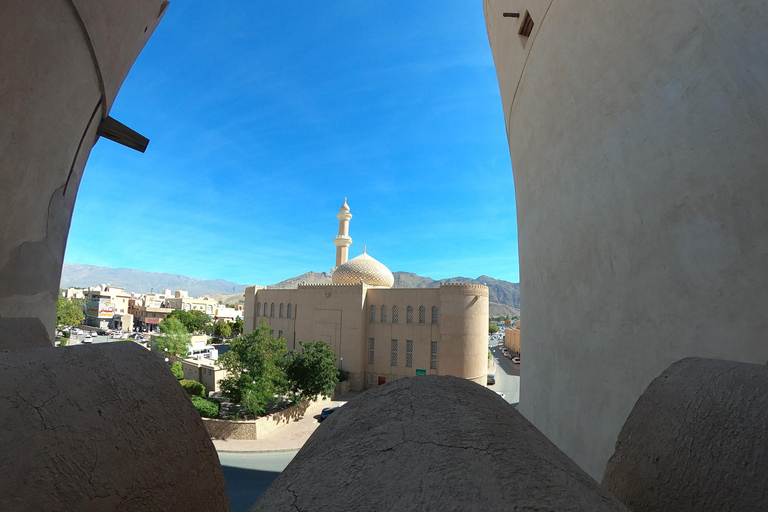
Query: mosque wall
63,62
637,131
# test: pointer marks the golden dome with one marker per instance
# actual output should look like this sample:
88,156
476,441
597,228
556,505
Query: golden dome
371,271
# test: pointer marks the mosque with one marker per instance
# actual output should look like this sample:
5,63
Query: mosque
379,333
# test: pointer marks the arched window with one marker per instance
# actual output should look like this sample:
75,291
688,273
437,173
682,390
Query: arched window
409,315
272,310
434,314
372,314
258,309
422,314
395,314
290,310
209,309
282,310
186,307
383,314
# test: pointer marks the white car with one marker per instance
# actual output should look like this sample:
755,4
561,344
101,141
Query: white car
516,360
87,338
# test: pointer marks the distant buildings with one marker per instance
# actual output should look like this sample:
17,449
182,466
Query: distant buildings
379,334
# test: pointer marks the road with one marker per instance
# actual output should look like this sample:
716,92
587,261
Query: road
249,474
507,375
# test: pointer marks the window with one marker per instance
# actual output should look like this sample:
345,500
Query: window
272,332
526,26
372,316
370,378
258,309
409,315
290,310
371,343
383,314
433,356
409,353
282,310
279,334
272,309
434,314
422,314
394,352
395,314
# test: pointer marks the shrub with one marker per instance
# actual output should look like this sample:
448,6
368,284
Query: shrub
192,387
207,408
177,370
63,341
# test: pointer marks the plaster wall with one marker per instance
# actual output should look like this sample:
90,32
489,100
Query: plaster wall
463,324
637,134
62,64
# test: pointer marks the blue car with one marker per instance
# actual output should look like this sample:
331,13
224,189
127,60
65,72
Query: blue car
327,412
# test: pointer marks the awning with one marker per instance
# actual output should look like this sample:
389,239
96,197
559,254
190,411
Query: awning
151,320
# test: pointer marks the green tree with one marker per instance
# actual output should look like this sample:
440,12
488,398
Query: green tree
255,364
195,321
175,339
222,330
177,370
312,372
237,326
69,311
493,327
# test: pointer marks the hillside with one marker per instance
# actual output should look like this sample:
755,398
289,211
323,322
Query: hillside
140,281
504,296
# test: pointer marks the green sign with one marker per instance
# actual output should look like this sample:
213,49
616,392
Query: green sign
421,372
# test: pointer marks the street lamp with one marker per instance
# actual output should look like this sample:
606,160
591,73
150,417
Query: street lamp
341,364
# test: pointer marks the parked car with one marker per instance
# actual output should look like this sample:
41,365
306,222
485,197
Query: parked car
491,379
516,360
87,338
327,412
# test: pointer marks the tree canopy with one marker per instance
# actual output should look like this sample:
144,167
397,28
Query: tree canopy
222,330
261,370
175,337
69,311
237,326
312,372
255,363
195,321
493,327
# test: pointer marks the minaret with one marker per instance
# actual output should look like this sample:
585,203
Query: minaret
342,240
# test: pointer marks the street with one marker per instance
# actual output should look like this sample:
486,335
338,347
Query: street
507,375
249,474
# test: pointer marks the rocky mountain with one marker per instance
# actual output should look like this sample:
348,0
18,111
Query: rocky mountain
504,296
140,281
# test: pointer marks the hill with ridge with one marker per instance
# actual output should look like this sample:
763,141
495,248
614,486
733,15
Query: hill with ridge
504,296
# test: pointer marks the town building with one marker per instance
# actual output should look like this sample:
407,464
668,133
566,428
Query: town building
512,339
378,333
182,300
106,307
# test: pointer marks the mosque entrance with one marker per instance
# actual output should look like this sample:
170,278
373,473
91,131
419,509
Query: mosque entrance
382,380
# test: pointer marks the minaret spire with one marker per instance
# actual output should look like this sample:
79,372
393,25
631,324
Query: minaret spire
342,240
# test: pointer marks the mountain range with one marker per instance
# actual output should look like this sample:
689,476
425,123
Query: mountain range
504,296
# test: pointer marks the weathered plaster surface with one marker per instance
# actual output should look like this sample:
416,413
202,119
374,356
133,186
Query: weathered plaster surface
103,427
695,440
63,62
431,443
637,131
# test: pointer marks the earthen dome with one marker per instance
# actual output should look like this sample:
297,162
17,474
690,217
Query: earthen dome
370,270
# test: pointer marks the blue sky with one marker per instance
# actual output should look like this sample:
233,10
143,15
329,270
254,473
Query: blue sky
263,116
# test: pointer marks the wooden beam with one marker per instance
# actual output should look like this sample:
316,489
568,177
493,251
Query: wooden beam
118,132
